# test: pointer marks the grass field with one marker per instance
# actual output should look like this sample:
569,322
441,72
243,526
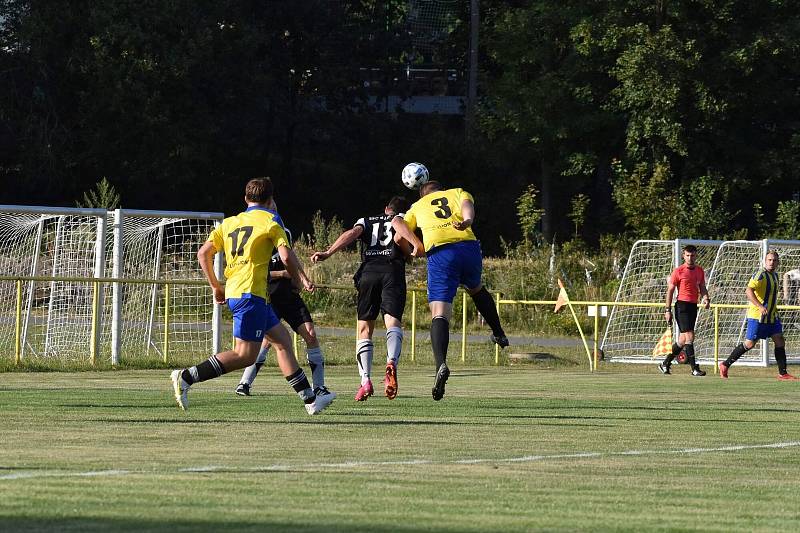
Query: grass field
508,449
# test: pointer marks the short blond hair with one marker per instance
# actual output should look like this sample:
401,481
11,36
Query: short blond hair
429,187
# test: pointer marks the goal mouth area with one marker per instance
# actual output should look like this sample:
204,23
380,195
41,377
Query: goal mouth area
70,288
632,331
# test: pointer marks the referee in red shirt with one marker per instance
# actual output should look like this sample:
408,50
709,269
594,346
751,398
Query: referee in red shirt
690,280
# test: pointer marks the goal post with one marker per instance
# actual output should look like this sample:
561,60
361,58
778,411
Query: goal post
161,245
56,242
632,332
74,317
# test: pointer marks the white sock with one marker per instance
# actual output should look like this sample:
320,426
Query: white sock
250,373
364,351
394,344
317,363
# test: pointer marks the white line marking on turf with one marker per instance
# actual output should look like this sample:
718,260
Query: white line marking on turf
411,462
57,473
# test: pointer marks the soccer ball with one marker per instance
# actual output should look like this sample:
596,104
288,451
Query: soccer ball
414,175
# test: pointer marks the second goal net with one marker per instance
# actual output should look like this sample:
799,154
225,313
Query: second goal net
632,331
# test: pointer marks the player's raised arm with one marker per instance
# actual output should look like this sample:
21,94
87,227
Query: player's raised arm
205,255
344,240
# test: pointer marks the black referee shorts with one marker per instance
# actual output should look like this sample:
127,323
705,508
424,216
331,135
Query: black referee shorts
289,307
685,315
381,291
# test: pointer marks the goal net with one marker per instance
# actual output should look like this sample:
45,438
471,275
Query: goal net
62,318
56,316
632,332
147,245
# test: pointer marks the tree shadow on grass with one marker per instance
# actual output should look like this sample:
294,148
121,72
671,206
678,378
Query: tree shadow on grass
181,525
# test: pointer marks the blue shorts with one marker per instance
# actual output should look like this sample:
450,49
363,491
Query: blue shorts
252,317
756,330
451,265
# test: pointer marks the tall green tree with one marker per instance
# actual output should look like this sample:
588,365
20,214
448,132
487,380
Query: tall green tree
548,99
708,86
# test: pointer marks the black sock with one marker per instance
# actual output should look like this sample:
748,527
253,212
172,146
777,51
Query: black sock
688,349
440,339
301,386
486,307
780,358
209,369
676,349
735,355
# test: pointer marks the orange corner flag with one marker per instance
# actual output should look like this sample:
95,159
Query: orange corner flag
562,299
664,344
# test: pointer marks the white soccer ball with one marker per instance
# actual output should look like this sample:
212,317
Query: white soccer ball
415,175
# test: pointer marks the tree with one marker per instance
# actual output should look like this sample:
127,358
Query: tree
103,195
546,97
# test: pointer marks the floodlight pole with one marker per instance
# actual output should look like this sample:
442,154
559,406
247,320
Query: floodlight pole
472,81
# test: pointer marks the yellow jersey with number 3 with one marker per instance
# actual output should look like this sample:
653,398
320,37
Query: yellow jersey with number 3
248,240
435,213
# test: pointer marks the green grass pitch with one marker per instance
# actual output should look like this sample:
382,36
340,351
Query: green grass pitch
508,449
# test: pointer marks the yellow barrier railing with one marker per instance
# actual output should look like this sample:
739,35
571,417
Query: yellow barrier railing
96,288
168,284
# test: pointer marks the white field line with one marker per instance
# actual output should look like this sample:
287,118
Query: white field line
360,464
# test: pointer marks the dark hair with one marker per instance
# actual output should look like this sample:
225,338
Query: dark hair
398,204
691,248
258,190
772,252
431,186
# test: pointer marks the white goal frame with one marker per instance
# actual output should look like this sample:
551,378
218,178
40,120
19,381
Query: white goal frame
81,254
726,284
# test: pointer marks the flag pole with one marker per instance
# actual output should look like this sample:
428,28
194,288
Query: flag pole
563,298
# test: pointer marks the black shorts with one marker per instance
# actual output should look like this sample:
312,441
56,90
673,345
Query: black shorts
685,315
288,305
381,291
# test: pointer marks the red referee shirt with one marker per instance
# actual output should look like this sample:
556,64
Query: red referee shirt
688,281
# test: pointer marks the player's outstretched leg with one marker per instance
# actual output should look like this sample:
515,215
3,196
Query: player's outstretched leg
688,348
250,373
181,389
737,352
279,338
440,339
780,358
440,381
183,379
394,343
487,308
364,353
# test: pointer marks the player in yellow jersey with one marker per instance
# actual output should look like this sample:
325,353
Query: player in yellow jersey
248,240
445,217
762,317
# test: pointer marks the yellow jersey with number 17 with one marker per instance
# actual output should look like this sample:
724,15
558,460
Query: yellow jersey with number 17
248,240
434,215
